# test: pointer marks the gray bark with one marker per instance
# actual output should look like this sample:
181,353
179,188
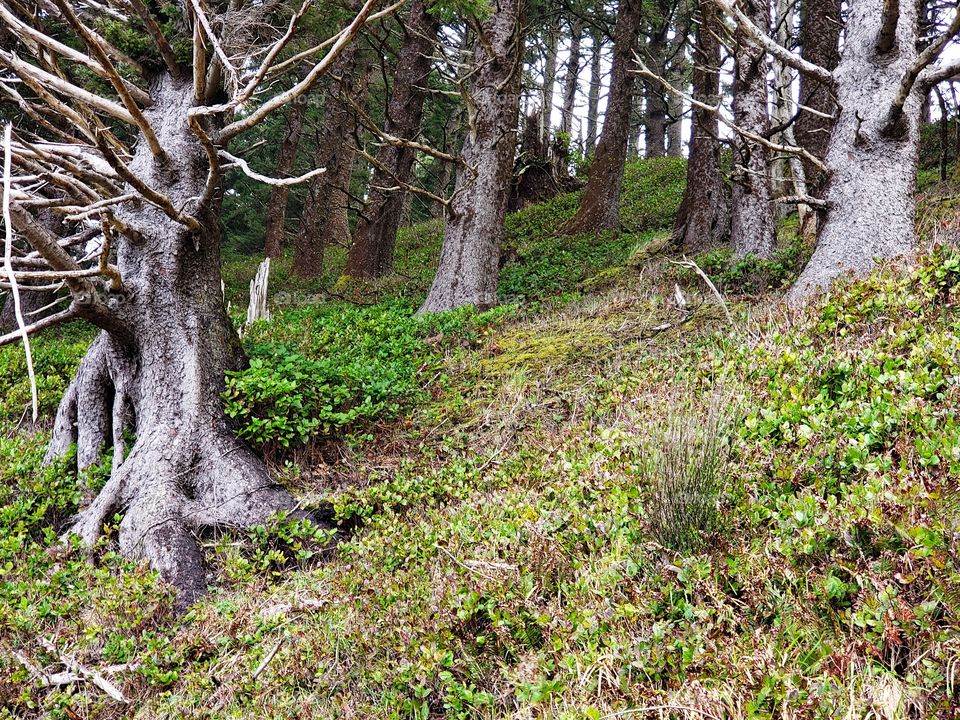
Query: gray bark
549,76
872,167
656,110
820,42
570,78
467,274
788,171
593,92
751,221
277,208
163,377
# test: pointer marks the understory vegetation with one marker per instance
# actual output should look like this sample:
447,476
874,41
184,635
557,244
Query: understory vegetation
601,496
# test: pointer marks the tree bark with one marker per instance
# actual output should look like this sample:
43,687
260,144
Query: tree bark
752,226
600,206
371,254
820,42
703,219
593,92
678,78
871,170
325,196
467,274
549,75
277,207
163,376
570,78
656,116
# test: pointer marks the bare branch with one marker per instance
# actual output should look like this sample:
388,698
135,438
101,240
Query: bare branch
97,50
276,182
156,34
772,46
887,37
304,85
8,266
201,17
372,126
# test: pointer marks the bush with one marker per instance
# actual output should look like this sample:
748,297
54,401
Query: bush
681,468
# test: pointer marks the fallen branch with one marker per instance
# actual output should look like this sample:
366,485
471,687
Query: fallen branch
696,268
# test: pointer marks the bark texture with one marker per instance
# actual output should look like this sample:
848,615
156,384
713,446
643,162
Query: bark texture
277,207
593,91
751,220
570,78
656,116
371,253
703,219
549,75
820,43
467,274
600,206
872,172
164,375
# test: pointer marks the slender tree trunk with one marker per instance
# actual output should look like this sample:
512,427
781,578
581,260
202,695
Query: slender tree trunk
163,377
325,194
593,93
820,42
600,205
751,226
371,254
277,207
678,77
656,119
549,76
871,163
703,219
570,78
451,135
467,274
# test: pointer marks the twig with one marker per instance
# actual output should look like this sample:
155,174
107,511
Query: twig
696,268
8,267
266,660
657,708
92,675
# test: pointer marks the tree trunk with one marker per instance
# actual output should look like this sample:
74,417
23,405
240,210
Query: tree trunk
570,78
371,254
325,194
593,93
678,78
751,226
277,208
549,75
820,42
703,219
163,378
467,274
656,119
871,164
600,206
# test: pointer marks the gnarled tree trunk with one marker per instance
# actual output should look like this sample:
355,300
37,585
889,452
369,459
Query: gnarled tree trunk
751,222
600,205
163,376
467,274
371,254
703,219
871,160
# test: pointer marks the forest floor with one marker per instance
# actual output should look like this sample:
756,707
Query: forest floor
604,498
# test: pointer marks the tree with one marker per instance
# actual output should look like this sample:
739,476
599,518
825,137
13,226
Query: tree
371,253
820,28
469,256
703,219
593,90
571,77
751,217
871,158
600,205
144,162
277,209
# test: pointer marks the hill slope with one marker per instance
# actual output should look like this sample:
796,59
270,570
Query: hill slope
588,504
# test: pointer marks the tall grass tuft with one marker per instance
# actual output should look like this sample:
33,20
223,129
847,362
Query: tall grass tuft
683,466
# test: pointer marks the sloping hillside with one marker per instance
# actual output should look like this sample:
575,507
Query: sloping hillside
603,499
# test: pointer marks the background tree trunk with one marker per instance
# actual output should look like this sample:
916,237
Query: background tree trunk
677,70
703,219
820,43
467,274
751,227
600,206
371,254
656,119
549,74
593,93
570,78
872,171
277,207
325,195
